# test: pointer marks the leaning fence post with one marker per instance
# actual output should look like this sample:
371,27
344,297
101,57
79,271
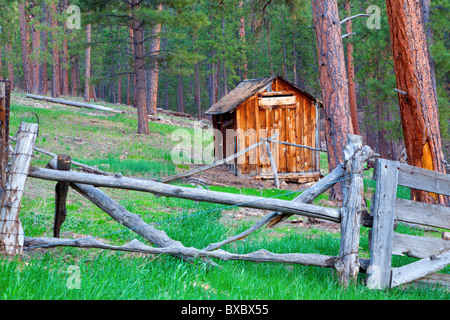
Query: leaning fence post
61,189
353,188
382,210
11,232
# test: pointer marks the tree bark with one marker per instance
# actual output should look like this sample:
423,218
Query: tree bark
43,85
56,68
36,45
225,81
243,43
351,73
24,38
426,7
9,50
75,75
87,74
269,47
418,108
180,94
64,55
141,100
155,46
294,53
334,83
284,43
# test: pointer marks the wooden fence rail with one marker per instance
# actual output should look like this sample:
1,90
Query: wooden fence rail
385,213
387,210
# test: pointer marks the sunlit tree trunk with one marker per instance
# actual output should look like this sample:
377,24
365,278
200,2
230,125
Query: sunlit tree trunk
418,107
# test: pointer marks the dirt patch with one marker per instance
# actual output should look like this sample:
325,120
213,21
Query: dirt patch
222,176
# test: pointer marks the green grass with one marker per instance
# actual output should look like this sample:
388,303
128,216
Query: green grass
103,140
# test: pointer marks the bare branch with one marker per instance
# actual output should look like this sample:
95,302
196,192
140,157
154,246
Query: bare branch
355,16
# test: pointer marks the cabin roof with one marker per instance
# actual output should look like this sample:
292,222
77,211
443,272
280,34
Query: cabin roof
246,89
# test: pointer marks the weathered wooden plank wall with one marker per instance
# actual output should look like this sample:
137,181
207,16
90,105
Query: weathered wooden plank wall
296,123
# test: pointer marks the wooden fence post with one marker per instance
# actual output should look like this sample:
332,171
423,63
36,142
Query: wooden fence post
353,187
273,165
61,189
11,232
383,210
4,135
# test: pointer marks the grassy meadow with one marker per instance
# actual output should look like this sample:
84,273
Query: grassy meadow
109,142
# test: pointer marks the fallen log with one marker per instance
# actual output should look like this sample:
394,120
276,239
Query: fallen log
173,113
162,189
74,103
11,232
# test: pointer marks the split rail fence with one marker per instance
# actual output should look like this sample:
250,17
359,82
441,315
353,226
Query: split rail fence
386,212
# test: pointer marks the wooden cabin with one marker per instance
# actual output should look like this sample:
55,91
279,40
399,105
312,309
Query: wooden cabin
260,108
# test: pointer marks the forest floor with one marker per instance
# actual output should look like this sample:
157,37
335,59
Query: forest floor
109,141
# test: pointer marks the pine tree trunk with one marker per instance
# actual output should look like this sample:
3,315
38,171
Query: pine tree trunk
24,38
269,47
155,46
65,57
87,75
243,42
133,88
351,73
418,108
56,68
36,45
294,64
197,91
9,51
284,43
166,93
429,30
141,100
74,74
334,83
65,69
180,94
225,80
128,89
43,85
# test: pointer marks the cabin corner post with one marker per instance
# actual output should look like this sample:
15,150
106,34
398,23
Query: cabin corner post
383,213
